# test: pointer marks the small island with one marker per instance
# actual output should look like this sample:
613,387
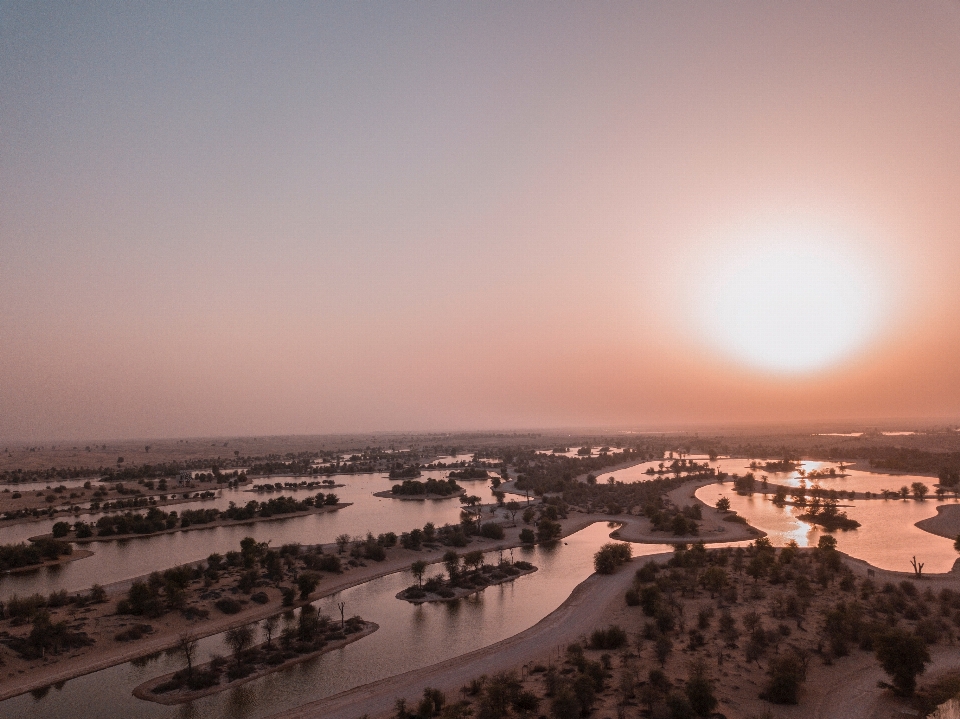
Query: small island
431,489
130,525
469,577
22,557
310,636
469,473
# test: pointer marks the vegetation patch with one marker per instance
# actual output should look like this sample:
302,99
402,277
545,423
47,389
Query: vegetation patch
307,636
465,575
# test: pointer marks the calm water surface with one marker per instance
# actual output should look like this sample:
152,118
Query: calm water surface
409,637
116,561
886,537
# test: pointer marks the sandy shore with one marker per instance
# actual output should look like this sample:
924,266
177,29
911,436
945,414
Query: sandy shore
583,609
845,689
945,524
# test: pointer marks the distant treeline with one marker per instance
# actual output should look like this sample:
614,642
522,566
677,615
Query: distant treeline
156,520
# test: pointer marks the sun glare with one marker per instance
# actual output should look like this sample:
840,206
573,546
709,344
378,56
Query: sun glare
791,301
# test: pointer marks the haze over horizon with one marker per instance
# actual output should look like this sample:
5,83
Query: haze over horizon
237,220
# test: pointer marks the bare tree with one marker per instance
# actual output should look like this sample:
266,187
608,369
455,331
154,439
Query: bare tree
270,627
188,647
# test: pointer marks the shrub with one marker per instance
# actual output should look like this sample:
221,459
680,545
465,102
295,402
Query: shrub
787,673
610,557
527,536
61,529
613,637
228,605
633,598
260,598
491,530
903,656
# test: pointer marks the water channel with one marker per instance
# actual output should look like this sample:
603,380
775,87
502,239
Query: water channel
412,636
409,637
120,560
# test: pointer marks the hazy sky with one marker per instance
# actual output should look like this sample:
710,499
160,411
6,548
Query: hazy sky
286,218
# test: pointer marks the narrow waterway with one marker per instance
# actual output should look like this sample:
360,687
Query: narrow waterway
409,637
120,560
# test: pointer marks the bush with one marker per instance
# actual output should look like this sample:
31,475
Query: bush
633,598
610,557
787,674
260,598
527,536
491,530
228,605
613,637
903,656
374,551
61,529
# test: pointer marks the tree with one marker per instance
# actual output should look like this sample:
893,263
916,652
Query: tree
418,568
699,690
270,627
239,640
723,504
342,541
188,647
528,537
903,656
306,583
919,490
662,648
714,579
473,559
787,673
513,507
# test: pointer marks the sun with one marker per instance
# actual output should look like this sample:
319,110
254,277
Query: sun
791,301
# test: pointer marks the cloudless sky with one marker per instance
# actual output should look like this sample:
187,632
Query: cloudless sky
232,218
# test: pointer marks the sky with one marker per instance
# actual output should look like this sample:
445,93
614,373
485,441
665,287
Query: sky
233,218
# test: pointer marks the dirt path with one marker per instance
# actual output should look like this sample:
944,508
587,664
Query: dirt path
584,609
852,693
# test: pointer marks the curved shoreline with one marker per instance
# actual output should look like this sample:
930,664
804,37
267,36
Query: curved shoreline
22,684
946,522
585,606
71,536
145,690
63,559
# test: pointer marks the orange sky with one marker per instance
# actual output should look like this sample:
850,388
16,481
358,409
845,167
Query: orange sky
374,217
